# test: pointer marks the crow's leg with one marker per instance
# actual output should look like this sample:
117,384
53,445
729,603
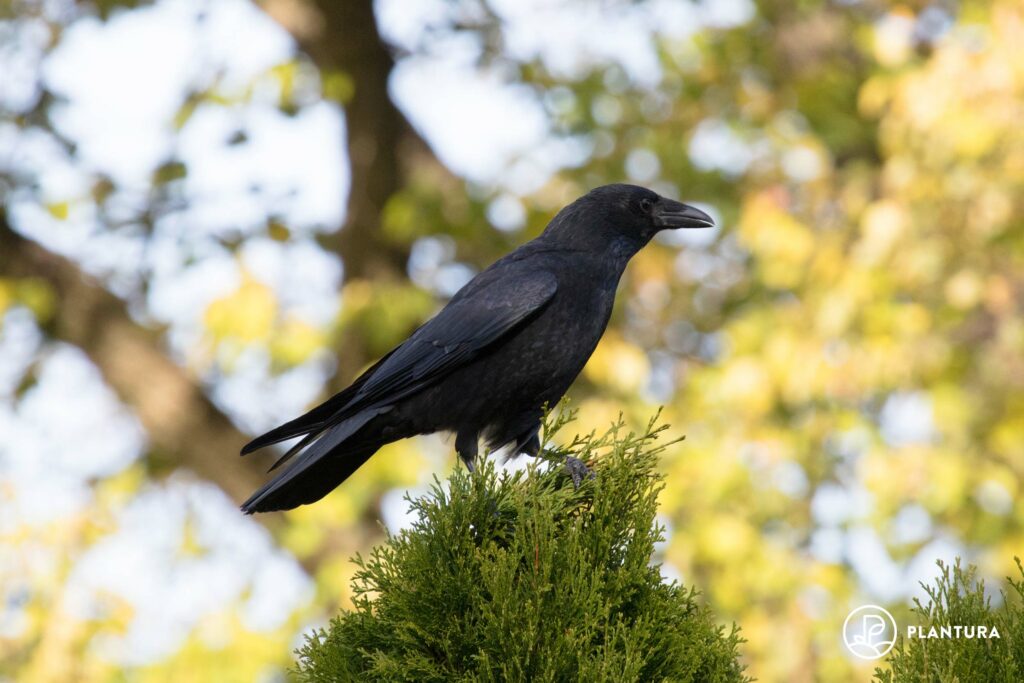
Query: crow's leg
528,442
466,446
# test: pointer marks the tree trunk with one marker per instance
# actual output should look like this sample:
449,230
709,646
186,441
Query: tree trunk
342,37
384,149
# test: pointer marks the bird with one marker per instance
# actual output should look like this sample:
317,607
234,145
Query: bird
509,343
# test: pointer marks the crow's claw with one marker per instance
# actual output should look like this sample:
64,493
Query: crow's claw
578,471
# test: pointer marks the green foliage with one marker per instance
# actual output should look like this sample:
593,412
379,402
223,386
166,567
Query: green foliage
522,577
959,598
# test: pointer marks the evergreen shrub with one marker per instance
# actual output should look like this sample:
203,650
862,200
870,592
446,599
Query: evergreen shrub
958,598
523,577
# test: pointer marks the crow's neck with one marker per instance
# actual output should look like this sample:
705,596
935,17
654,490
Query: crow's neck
622,248
612,251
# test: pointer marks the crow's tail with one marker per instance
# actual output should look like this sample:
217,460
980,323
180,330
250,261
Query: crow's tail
326,459
312,484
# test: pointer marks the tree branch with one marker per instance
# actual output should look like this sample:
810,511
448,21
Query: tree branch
183,425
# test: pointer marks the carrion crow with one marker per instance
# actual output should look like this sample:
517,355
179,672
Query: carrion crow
508,343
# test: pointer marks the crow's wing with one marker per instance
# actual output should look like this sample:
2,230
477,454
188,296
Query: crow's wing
485,311
457,335
494,305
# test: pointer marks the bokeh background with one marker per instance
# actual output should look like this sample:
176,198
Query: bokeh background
216,213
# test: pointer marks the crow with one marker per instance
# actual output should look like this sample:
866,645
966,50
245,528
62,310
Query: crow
509,343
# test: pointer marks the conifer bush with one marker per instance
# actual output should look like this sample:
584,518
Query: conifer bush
958,598
522,577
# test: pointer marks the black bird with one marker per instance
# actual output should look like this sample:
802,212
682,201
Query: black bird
508,343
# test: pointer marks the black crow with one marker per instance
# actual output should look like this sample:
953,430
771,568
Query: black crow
507,344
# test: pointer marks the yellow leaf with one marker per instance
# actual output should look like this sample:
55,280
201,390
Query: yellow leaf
882,224
59,210
295,342
247,314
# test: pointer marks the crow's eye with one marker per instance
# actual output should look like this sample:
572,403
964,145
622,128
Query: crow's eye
646,204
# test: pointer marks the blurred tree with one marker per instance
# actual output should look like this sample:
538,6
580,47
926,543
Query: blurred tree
185,427
844,354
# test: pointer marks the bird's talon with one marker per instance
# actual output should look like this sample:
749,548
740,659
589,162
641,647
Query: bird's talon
578,470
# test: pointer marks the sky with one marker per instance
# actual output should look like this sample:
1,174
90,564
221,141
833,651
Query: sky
120,112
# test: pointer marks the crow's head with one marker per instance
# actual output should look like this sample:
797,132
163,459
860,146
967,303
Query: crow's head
623,214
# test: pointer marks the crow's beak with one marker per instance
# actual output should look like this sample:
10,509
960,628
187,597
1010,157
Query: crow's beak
670,214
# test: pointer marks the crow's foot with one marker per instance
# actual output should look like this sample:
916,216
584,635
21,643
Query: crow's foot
578,471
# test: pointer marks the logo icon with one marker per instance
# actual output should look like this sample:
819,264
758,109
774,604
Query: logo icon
869,632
